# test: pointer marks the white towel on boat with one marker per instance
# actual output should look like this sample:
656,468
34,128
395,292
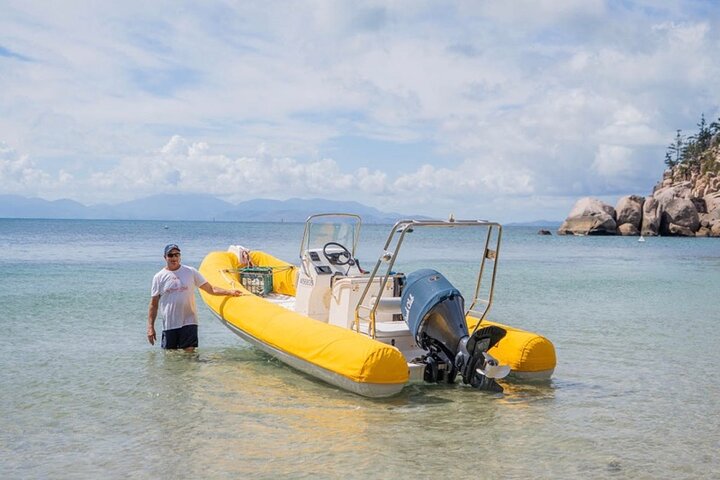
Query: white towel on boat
242,253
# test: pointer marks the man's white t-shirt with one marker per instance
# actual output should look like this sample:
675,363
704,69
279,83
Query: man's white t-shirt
177,295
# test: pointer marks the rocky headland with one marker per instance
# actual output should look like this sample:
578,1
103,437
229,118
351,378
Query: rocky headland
686,202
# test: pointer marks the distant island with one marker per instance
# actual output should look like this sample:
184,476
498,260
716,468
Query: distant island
191,207
686,202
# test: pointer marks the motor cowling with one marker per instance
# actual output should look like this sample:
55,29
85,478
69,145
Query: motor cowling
434,310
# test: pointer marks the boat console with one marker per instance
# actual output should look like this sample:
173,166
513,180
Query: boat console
330,283
319,269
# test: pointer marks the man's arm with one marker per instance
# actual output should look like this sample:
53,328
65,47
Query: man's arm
212,290
152,315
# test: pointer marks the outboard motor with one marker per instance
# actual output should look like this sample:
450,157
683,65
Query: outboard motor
435,313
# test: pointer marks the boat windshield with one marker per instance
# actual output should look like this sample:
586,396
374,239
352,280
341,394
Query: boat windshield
341,228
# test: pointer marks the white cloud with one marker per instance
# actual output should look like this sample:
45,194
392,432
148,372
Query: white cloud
184,166
20,175
539,13
692,34
612,160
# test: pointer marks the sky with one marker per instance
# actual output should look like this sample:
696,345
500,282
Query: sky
507,111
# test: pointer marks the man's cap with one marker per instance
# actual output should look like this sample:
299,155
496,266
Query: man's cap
170,247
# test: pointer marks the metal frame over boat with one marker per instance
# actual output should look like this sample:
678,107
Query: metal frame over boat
374,332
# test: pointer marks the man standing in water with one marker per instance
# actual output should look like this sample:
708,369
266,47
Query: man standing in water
173,293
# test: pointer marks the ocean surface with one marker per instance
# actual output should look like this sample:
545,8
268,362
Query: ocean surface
636,392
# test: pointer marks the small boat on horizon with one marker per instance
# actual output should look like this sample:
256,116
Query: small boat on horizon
373,333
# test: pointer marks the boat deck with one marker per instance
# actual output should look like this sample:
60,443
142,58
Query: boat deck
285,301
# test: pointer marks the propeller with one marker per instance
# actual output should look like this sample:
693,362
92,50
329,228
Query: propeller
492,368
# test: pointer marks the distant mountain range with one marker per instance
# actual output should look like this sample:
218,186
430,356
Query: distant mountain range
191,207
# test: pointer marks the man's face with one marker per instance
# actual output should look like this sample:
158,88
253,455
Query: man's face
173,259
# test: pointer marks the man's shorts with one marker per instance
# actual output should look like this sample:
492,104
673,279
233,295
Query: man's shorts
183,337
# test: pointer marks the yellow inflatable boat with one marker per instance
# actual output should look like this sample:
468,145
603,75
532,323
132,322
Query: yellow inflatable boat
372,333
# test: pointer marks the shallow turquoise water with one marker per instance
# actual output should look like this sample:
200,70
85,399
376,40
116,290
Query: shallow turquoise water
84,396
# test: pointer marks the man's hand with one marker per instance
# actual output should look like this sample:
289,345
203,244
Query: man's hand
213,290
152,314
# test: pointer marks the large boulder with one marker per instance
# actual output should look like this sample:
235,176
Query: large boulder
710,219
651,218
712,201
680,231
713,217
629,209
675,206
589,216
676,190
679,212
628,230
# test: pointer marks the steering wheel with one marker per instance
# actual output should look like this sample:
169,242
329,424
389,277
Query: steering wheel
334,257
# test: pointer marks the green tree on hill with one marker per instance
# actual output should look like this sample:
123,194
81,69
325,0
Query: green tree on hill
715,127
692,154
674,154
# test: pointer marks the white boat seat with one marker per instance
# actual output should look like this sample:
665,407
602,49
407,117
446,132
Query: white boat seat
389,305
387,329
